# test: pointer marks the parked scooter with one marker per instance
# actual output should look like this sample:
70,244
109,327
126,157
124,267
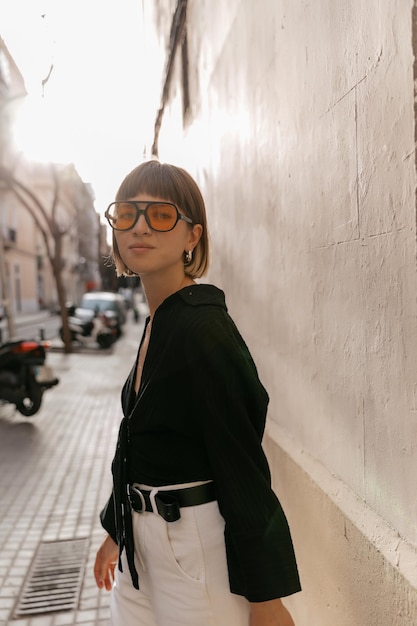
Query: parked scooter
80,327
105,330
24,376
91,326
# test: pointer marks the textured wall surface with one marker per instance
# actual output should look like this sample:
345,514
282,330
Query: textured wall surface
301,134
356,570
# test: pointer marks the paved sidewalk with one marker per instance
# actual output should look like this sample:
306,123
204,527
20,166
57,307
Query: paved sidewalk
55,474
38,316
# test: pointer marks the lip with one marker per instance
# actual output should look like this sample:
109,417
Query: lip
140,246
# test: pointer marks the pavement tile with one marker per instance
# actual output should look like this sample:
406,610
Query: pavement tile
63,619
43,620
55,473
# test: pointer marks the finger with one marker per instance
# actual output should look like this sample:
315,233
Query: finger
109,575
99,571
109,580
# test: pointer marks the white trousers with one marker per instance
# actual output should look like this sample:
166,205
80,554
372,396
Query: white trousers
182,571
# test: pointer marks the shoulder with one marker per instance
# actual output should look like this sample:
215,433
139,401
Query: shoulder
206,324
197,318
199,304
204,311
202,295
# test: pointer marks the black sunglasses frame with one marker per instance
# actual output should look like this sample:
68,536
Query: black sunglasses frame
144,212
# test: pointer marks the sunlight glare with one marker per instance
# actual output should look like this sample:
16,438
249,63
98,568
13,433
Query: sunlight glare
41,133
93,109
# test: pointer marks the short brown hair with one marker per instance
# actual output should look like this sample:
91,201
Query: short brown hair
170,183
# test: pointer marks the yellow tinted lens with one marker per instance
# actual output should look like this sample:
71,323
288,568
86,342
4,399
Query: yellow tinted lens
162,216
123,215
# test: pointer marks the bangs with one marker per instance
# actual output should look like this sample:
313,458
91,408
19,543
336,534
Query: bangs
154,179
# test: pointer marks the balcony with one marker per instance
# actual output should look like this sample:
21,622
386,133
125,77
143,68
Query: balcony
9,237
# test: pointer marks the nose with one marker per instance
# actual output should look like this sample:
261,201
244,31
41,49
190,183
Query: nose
141,227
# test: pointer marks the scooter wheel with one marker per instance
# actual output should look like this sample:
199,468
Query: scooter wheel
32,402
104,341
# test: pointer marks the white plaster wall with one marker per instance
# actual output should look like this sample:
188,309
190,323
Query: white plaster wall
302,138
356,570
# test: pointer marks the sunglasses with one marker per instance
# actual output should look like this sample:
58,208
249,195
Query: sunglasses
159,216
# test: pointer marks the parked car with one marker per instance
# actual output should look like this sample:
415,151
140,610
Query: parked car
112,304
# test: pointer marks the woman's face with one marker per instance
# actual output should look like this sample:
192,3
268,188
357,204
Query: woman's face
145,251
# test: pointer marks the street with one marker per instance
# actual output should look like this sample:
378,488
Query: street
55,476
33,326
48,327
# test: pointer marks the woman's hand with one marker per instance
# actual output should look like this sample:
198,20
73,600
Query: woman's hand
106,560
270,613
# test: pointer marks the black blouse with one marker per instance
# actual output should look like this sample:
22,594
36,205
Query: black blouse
200,414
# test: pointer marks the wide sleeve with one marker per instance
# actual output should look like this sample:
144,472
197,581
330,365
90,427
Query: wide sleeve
108,519
232,405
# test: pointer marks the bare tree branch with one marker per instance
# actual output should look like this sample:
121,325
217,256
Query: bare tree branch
56,194
43,232
50,230
13,183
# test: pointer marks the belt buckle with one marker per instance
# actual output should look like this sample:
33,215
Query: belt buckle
138,493
167,506
162,503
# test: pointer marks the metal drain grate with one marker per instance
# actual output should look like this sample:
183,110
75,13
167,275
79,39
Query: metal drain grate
55,578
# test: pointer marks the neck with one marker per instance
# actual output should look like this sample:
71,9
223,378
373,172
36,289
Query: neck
156,291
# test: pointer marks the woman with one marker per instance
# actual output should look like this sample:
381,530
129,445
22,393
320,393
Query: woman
199,536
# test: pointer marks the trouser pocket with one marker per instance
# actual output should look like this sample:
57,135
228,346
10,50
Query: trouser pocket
184,541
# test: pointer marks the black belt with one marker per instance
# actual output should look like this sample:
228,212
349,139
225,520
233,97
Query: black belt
168,503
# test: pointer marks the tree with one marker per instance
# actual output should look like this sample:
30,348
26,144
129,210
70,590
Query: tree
51,227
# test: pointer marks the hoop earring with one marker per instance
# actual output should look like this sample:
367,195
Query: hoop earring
188,257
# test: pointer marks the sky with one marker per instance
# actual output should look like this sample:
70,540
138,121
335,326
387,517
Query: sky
94,111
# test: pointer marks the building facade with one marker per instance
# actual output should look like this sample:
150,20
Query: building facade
298,121
53,207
